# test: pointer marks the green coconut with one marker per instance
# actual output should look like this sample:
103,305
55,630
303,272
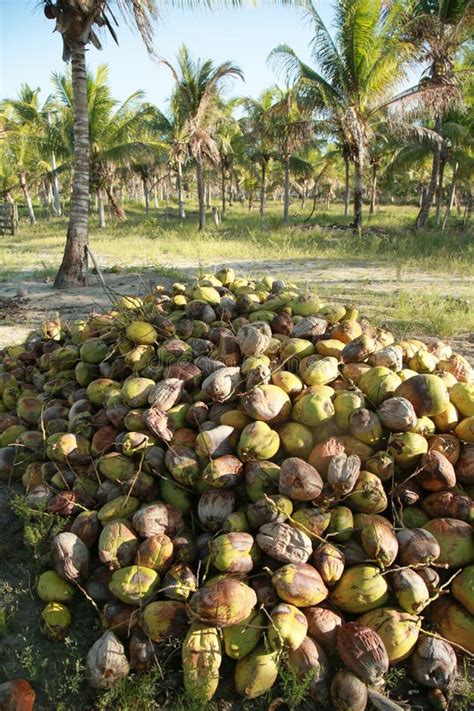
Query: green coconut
360,589
455,540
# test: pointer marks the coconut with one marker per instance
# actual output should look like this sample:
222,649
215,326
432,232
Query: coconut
240,640
299,584
283,542
106,662
232,552
436,472
417,546
222,601
256,673
348,692
453,622
361,588
410,590
363,652
55,620
164,619
433,663
398,630
134,584
288,627
397,414
455,541
343,473
309,661
323,623
427,393
179,582
299,480
70,556
329,562
463,588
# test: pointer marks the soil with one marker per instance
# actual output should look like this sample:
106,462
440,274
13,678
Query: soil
25,303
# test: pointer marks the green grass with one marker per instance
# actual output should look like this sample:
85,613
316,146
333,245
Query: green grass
424,277
162,238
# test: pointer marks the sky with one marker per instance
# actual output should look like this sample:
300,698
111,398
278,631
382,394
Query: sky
30,52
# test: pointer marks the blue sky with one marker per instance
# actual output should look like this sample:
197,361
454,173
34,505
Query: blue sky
30,52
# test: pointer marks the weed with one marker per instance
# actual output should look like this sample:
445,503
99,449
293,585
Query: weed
394,676
294,687
133,693
39,526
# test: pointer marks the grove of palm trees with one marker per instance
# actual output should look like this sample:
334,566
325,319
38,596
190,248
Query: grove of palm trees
236,365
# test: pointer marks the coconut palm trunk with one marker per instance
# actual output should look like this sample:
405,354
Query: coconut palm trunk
201,194
373,189
27,196
452,193
101,208
74,263
146,195
434,178
179,188
263,187
223,189
358,188
439,191
346,185
286,194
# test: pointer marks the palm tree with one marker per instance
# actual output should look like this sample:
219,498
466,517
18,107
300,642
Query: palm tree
77,22
195,101
440,28
227,135
30,138
290,129
258,132
358,71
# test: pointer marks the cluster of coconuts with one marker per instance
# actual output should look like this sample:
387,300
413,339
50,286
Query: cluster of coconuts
257,474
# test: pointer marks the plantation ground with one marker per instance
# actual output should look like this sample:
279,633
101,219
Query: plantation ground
418,283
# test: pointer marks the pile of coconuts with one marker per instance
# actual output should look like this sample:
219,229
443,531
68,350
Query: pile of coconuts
258,475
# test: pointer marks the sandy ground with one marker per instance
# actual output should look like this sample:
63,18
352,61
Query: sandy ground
25,304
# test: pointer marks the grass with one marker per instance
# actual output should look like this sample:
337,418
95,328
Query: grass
418,282
161,237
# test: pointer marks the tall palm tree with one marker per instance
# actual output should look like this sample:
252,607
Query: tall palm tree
227,135
440,28
77,22
290,127
30,139
357,72
195,101
258,132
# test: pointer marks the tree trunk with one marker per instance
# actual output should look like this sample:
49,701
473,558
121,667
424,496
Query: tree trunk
27,196
155,198
201,192
101,208
358,188
431,189
208,195
452,193
117,208
74,263
439,194
223,189
373,190
346,186
146,195
179,188
286,198
263,187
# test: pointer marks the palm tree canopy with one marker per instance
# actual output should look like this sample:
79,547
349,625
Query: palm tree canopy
195,100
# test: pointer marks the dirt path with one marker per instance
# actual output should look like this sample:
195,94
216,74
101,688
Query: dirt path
25,304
